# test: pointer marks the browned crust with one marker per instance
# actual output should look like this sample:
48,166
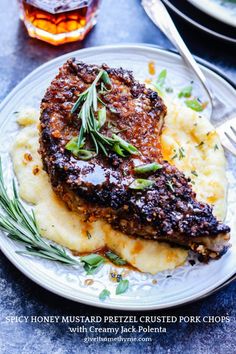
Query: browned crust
99,187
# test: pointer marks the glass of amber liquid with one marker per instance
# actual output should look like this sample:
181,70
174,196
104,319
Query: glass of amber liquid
59,21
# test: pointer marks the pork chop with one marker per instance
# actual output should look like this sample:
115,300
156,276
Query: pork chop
100,187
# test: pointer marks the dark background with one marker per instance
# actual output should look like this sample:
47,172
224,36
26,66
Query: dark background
120,21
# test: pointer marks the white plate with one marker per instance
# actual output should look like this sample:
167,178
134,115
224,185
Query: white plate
186,283
222,10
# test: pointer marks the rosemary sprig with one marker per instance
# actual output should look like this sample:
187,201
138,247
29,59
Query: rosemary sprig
92,120
21,226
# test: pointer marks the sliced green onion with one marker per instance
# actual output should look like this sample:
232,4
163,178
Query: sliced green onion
186,92
161,78
141,184
118,150
147,168
92,262
126,146
194,105
160,81
114,258
92,259
105,78
84,154
72,144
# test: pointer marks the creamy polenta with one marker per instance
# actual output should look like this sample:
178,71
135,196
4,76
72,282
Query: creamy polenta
187,141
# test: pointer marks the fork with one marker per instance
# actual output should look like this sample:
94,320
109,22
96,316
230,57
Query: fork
227,134
157,12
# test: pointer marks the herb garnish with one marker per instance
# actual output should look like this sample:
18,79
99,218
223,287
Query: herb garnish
175,155
194,173
216,147
114,258
170,185
150,167
88,235
169,90
141,183
93,118
92,262
186,92
21,226
200,144
76,150
195,105
159,84
104,294
122,287
181,153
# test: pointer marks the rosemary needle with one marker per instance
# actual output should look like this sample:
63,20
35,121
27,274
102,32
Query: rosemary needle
21,226
92,119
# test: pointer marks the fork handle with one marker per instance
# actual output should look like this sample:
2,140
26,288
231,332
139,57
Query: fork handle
160,16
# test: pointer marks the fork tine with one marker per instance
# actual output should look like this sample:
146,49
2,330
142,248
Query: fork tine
227,134
231,138
229,147
226,142
233,129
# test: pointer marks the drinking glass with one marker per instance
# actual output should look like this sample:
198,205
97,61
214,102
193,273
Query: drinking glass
59,21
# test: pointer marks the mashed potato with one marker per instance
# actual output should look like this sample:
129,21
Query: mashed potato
182,136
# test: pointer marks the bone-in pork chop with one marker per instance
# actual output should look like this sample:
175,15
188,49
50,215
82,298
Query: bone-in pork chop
106,186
